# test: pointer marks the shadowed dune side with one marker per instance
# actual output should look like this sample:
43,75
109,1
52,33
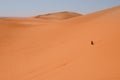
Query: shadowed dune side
22,22
62,50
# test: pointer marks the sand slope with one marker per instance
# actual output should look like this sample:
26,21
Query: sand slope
62,50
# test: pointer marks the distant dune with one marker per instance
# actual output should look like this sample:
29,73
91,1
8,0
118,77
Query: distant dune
59,15
75,47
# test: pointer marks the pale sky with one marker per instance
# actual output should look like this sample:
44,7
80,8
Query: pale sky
21,8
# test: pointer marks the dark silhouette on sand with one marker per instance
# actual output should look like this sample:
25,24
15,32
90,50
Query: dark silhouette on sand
92,43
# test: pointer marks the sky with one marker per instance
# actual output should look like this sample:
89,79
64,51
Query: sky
22,8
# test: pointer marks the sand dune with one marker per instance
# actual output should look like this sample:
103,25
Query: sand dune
51,50
40,19
58,15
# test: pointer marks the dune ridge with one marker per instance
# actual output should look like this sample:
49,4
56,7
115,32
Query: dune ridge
59,15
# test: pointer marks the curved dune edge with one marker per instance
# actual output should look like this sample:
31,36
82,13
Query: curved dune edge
45,50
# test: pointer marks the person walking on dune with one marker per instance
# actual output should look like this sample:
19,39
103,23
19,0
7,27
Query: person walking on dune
92,43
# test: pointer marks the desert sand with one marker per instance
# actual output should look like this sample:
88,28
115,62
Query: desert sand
58,46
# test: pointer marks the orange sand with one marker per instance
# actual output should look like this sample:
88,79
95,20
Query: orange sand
39,49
